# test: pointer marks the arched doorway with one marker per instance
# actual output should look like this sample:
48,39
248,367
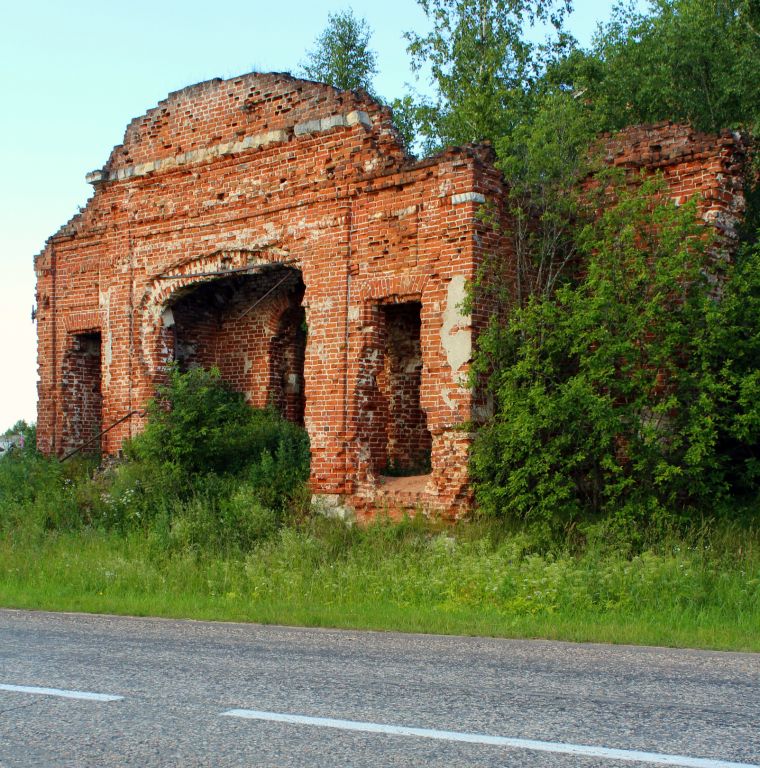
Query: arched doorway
249,326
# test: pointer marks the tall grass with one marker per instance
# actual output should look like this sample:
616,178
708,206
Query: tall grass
144,538
414,576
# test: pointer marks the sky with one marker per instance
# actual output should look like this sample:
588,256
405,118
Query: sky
75,73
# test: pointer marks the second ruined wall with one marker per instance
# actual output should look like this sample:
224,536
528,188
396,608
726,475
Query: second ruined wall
708,166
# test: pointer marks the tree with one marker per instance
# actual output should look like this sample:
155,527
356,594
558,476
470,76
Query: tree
546,158
410,116
684,60
689,61
481,65
342,56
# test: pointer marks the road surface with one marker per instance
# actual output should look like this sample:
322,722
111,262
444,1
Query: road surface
79,690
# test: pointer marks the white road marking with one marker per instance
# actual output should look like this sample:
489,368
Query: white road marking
481,738
60,692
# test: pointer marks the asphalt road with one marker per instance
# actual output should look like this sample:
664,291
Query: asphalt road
207,694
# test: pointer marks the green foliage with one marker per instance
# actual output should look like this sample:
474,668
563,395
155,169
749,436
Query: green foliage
27,431
209,473
730,375
626,395
38,494
684,60
24,480
616,395
546,158
220,515
342,56
689,61
197,424
481,66
278,474
410,115
696,591
208,470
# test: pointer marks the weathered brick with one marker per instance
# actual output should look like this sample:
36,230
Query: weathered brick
275,228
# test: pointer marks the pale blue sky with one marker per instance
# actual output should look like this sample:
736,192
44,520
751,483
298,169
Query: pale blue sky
74,73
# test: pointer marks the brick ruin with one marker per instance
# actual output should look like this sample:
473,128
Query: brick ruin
277,229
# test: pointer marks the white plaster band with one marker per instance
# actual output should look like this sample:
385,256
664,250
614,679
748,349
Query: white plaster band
359,117
96,177
189,158
333,121
230,148
468,197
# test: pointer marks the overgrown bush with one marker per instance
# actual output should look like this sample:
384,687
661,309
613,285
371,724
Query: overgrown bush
39,494
209,473
208,468
629,394
199,424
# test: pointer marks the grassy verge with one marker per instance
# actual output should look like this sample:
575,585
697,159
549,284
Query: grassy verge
701,594
167,533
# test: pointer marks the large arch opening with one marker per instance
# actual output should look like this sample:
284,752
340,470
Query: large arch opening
249,326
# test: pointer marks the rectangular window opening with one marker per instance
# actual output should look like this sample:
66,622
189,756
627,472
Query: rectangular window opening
82,393
407,440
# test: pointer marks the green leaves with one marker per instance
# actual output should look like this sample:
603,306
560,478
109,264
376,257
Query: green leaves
342,56
198,425
481,65
630,392
546,158
684,60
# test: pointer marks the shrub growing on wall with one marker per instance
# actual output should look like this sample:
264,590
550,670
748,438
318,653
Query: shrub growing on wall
628,393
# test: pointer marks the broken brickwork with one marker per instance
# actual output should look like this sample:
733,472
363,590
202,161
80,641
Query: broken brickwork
276,228
707,165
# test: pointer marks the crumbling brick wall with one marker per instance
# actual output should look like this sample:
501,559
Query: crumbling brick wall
276,228
692,163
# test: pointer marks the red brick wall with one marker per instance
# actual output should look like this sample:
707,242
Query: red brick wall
262,176
239,325
692,163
